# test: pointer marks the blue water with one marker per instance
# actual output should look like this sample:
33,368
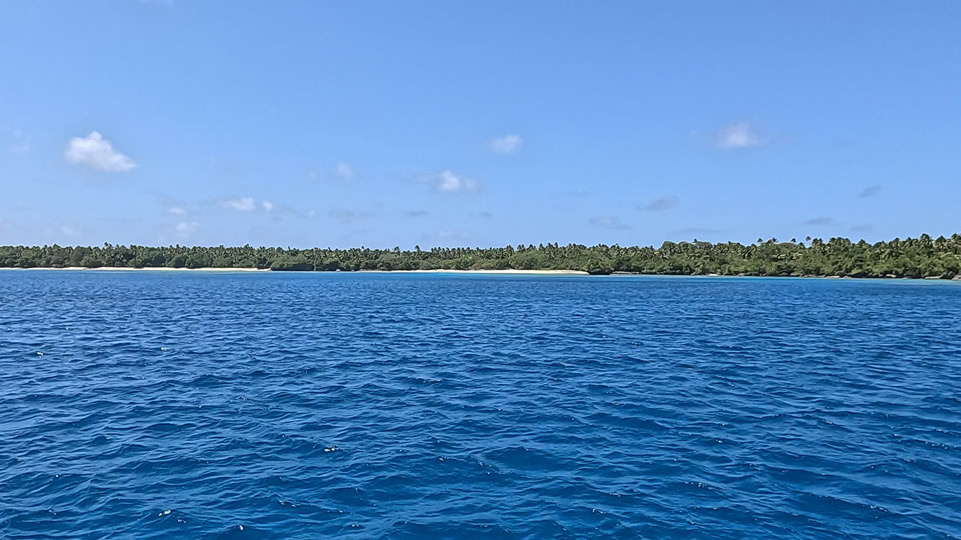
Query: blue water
212,405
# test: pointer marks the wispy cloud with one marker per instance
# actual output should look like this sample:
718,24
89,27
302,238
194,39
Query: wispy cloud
21,144
245,204
449,182
508,144
97,153
341,171
171,205
738,135
415,213
344,171
450,234
819,221
66,230
869,191
186,228
281,212
250,204
863,228
484,214
660,204
608,222
348,216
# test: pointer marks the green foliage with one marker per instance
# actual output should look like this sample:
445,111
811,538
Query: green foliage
923,257
291,263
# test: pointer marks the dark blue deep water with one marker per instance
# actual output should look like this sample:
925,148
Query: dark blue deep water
217,405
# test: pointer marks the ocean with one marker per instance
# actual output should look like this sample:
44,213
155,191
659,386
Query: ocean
147,405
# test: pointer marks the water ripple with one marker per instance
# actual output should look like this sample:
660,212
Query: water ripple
151,405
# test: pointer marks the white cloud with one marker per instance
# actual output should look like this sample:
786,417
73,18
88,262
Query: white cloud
310,213
243,203
69,231
737,136
186,228
450,182
344,171
97,153
268,206
508,144
176,210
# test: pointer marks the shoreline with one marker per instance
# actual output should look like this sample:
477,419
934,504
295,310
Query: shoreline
507,271
150,269
504,271
216,269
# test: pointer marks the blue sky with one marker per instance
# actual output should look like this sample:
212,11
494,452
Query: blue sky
476,123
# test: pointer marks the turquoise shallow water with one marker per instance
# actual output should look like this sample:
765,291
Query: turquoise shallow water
212,405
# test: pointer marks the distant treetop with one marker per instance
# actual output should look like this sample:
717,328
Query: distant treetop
923,257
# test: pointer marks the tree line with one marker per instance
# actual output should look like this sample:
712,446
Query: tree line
922,257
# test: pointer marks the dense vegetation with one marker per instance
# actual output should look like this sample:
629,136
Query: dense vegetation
910,258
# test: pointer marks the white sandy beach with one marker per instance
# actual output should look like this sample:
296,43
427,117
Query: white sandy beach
508,271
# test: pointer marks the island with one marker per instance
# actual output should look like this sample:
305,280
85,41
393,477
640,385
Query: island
922,257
